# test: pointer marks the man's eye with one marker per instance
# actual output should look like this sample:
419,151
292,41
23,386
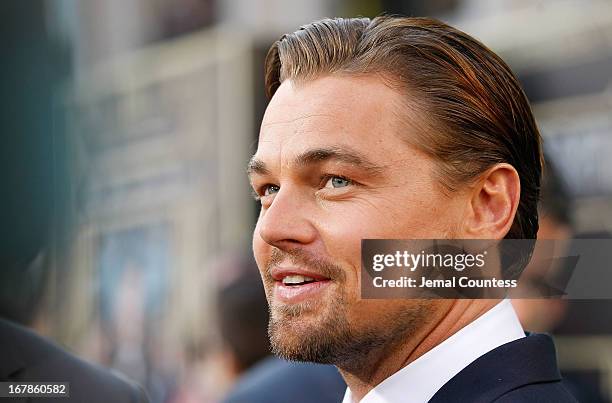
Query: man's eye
270,189
337,182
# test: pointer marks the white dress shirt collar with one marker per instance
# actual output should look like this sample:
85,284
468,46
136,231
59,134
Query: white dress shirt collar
421,379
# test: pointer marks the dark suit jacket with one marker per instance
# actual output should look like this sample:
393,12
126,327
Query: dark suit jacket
27,357
278,381
524,370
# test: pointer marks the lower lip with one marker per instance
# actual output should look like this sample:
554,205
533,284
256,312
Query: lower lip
299,293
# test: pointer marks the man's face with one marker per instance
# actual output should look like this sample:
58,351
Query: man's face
332,168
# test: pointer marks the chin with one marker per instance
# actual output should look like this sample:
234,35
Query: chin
308,331
303,341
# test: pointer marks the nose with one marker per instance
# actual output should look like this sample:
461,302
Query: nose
286,223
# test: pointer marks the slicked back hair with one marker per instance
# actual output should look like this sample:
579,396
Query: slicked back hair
472,112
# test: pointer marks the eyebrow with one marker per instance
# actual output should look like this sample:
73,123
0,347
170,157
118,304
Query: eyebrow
319,155
256,166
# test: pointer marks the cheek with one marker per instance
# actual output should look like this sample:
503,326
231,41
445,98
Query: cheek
395,218
422,214
401,216
342,229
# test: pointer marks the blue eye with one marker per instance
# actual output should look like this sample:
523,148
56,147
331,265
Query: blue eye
337,182
270,189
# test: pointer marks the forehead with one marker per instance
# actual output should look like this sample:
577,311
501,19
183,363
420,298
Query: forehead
331,111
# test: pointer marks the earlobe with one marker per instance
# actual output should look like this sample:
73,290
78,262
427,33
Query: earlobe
493,203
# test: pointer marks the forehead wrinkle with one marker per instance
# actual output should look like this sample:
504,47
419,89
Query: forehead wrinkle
280,122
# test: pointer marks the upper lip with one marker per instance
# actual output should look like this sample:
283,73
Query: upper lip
278,273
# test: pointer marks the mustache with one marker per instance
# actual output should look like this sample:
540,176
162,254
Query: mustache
301,258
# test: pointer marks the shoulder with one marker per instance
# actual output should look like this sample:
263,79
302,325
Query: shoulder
36,359
273,379
522,370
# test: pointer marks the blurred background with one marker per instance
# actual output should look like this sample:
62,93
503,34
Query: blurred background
126,128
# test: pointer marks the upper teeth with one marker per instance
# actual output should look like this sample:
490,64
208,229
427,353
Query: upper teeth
296,279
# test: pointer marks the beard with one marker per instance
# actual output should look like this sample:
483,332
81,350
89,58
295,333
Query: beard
321,331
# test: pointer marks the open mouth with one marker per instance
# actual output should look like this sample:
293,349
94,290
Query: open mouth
291,287
295,280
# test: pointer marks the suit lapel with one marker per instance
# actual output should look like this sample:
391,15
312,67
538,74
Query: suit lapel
531,359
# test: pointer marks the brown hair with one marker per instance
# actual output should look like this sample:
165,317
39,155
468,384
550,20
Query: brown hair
477,112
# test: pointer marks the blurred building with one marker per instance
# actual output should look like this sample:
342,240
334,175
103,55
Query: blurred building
159,119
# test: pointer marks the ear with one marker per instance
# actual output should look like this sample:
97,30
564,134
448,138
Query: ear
492,203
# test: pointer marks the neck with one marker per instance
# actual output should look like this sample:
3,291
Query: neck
377,365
